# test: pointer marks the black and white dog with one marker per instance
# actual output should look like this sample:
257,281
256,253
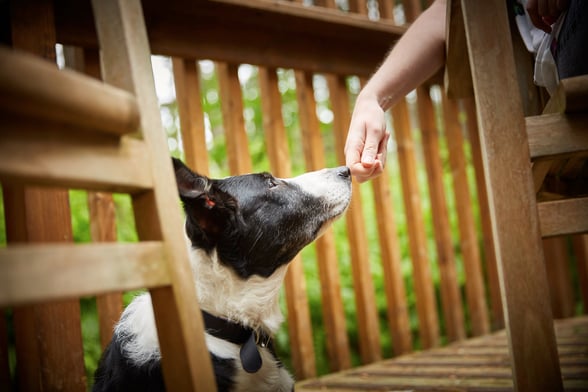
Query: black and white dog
243,232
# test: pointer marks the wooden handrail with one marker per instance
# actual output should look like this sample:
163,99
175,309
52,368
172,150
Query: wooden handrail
36,88
260,32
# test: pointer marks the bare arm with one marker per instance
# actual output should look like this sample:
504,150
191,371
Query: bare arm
417,56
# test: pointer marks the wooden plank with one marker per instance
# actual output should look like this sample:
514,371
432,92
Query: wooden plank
367,317
125,58
54,271
270,33
234,125
48,337
299,324
497,319
35,88
425,297
475,289
557,135
331,300
188,97
511,198
81,161
569,216
450,295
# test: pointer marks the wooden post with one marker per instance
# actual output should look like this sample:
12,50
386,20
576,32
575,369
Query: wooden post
48,337
515,224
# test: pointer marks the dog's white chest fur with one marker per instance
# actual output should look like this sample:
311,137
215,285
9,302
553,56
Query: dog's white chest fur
241,301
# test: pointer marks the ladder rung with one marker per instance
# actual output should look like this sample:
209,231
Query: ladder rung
557,135
37,88
568,216
33,156
45,272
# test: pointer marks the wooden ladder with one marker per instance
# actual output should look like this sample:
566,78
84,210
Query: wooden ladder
509,143
66,130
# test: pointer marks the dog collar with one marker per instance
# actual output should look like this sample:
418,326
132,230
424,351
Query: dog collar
239,334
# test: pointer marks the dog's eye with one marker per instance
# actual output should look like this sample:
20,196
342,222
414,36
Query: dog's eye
272,182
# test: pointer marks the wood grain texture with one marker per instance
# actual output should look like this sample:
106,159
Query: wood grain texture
511,198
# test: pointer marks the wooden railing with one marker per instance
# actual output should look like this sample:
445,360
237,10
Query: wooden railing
453,276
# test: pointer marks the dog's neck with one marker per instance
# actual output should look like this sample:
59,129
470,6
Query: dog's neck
253,302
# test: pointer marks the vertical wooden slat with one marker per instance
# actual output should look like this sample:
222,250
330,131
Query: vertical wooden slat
475,294
299,325
101,206
233,122
580,244
397,309
188,97
49,340
425,296
450,294
332,303
103,229
560,282
125,50
486,223
512,200
368,326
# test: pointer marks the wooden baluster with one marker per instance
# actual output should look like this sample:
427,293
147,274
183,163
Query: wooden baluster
368,325
332,303
299,324
450,295
475,294
425,296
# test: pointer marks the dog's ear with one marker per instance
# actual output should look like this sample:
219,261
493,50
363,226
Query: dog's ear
208,209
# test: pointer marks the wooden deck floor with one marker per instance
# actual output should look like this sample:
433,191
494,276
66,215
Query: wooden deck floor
480,364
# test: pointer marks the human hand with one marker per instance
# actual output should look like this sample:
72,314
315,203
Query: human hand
544,13
367,139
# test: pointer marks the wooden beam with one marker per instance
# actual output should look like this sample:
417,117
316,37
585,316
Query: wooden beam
260,32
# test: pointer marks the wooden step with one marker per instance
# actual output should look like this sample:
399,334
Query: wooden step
38,273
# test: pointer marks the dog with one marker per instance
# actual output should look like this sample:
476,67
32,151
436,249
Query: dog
242,232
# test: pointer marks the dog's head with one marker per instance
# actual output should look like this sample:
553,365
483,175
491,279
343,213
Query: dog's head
256,222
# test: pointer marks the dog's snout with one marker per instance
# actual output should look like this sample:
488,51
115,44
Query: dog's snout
343,171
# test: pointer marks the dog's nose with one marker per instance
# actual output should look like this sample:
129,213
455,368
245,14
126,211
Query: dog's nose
343,171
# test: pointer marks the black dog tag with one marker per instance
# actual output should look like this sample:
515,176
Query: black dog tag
250,357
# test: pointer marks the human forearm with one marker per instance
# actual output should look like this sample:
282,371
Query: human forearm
415,57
